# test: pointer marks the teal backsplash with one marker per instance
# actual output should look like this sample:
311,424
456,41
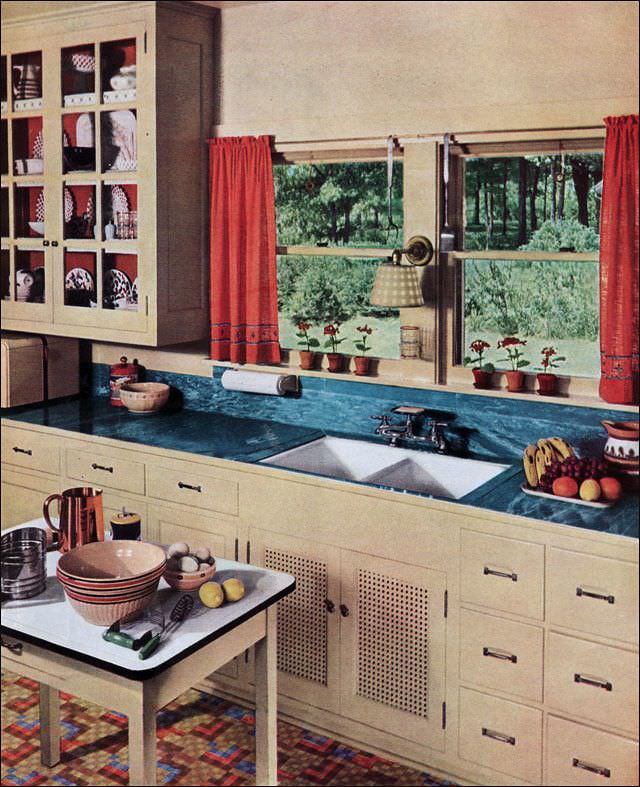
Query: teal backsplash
485,426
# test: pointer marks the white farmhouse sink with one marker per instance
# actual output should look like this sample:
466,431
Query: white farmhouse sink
400,468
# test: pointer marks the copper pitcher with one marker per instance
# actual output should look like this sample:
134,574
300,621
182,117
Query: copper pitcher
81,516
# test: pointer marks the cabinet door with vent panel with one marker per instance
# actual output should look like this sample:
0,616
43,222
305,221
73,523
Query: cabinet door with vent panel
308,619
393,646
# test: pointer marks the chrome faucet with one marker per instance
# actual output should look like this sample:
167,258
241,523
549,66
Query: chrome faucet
405,430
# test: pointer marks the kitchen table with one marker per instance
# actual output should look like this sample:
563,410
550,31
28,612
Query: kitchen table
44,639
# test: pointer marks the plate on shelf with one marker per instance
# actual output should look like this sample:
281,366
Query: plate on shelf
40,207
69,204
85,64
37,149
134,291
79,279
89,211
37,227
119,200
576,500
116,285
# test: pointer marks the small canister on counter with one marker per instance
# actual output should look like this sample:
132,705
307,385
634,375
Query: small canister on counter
125,526
120,374
409,341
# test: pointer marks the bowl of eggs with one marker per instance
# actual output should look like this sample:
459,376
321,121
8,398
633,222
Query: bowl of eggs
188,568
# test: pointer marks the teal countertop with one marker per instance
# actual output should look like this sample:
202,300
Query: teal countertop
246,439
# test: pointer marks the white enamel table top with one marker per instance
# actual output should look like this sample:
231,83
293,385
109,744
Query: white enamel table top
50,621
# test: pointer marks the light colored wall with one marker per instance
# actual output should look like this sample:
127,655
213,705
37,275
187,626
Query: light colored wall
309,70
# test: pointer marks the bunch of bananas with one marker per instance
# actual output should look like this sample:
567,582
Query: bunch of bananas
537,458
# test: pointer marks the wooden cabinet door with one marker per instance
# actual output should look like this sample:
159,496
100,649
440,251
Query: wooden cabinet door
308,619
392,640
22,495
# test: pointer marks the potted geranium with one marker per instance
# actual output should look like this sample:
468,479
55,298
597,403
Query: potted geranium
362,361
307,356
482,371
334,357
515,378
547,380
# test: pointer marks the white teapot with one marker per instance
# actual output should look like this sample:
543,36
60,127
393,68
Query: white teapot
125,79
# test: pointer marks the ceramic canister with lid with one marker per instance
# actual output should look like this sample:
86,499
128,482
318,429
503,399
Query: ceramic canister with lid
125,526
120,374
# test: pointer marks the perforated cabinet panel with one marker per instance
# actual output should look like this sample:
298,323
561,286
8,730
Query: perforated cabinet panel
302,617
393,642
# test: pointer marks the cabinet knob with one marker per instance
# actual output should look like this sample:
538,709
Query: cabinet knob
45,242
599,684
54,242
600,596
182,485
499,736
344,610
329,605
96,466
587,766
14,647
26,451
496,654
495,573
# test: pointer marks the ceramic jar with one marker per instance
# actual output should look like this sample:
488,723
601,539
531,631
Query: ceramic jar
622,451
24,284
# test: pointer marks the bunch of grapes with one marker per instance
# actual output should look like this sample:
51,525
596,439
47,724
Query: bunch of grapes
580,469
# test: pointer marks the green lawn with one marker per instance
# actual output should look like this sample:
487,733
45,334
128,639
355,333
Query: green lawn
384,341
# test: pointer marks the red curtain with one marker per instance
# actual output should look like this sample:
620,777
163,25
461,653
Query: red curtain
244,297
619,263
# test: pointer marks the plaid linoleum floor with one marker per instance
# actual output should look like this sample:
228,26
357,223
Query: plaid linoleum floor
202,740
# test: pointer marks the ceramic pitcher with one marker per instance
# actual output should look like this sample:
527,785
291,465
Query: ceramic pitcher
81,517
622,450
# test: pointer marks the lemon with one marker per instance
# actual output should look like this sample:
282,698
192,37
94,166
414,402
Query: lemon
233,589
211,594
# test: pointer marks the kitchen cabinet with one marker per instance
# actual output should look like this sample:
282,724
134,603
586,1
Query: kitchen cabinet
361,636
396,639
104,180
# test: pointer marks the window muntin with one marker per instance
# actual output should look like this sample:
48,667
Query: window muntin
336,207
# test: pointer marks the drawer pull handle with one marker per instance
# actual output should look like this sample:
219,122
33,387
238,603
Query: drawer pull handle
497,655
329,605
498,736
512,576
600,684
586,766
102,467
182,485
26,451
600,596
14,647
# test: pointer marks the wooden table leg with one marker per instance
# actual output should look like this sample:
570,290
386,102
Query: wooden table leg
266,704
142,741
49,726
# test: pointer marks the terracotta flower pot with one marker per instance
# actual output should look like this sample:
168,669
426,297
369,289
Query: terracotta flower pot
362,365
482,379
547,384
307,359
515,380
335,362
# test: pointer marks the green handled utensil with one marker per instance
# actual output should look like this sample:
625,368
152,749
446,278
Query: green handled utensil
117,637
182,608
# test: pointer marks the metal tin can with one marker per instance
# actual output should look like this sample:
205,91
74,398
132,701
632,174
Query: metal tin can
125,526
120,374
409,341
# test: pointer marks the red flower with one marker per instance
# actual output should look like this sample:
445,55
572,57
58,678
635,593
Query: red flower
304,326
509,341
330,330
365,329
479,346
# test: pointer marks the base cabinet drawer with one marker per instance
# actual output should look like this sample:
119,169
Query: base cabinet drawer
578,755
105,470
501,735
592,681
502,573
597,595
30,450
193,485
501,654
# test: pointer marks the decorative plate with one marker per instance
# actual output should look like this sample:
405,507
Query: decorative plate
119,200
69,204
116,285
40,207
134,291
85,137
37,149
89,210
79,279
85,64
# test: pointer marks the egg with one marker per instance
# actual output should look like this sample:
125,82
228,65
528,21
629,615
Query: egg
179,549
203,554
188,564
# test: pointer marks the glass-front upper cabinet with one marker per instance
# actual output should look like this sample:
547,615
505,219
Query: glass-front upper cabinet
105,116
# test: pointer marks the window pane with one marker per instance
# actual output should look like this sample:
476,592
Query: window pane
547,303
341,204
319,290
533,202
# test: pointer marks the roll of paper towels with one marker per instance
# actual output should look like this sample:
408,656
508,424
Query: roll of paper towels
259,382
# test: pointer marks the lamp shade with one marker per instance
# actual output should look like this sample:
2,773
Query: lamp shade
396,285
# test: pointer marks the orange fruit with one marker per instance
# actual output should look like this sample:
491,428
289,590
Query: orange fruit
611,488
590,490
565,486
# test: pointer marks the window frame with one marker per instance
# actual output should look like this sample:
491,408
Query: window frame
451,306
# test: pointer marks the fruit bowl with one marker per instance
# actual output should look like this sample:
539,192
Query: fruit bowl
144,398
185,582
